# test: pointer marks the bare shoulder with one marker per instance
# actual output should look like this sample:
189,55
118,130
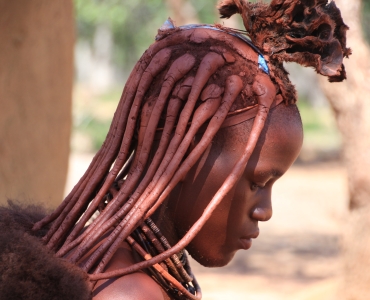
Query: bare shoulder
138,286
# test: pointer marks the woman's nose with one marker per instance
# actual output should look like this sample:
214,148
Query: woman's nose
263,210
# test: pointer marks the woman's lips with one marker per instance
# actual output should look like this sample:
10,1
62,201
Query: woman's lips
246,241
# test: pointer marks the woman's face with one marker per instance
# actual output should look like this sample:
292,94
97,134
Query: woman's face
235,221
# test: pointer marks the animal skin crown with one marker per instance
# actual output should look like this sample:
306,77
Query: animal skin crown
309,32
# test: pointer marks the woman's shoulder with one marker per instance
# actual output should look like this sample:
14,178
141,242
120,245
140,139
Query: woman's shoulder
138,285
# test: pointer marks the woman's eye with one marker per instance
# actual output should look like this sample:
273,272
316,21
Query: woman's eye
254,186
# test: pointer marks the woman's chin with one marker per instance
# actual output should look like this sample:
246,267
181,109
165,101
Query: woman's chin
214,260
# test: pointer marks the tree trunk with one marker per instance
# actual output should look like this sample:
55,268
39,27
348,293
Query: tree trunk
350,101
36,77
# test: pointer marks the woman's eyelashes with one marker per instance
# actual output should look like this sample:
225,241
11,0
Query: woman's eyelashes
260,180
254,186
261,184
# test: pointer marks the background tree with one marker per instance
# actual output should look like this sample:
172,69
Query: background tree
36,59
350,102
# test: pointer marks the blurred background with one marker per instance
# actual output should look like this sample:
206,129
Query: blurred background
299,254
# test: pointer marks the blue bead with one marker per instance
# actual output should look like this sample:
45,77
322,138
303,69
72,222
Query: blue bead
262,64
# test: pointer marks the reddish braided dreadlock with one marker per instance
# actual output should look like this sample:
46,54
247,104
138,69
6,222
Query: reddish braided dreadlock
187,82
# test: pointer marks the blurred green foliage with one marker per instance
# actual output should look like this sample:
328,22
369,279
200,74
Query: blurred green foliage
321,135
133,24
92,118
206,10
366,19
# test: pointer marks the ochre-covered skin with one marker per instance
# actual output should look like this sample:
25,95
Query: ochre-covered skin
172,154
234,222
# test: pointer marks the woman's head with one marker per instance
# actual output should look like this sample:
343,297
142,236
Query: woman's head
187,82
235,221
185,88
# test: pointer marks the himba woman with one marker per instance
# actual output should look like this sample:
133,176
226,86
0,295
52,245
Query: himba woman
206,124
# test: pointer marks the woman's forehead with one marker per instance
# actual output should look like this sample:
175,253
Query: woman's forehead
283,129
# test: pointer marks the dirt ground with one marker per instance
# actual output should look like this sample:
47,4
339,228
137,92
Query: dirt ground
297,255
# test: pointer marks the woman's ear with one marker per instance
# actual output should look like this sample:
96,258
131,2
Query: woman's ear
227,8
